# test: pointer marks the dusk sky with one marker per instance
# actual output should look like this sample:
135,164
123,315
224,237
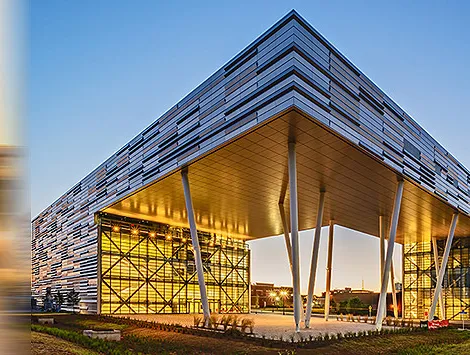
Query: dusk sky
101,71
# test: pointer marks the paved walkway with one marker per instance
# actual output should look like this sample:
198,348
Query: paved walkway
271,325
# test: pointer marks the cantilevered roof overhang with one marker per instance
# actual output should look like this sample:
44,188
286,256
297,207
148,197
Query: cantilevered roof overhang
237,187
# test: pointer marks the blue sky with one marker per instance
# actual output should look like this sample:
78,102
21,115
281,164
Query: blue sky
101,71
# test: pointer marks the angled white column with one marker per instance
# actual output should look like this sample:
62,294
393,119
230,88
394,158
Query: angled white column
382,232
436,263
285,226
314,262
394,291
195,242
294,220
403,281
328,269
442,271
389,255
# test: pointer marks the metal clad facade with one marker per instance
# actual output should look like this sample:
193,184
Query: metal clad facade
291,65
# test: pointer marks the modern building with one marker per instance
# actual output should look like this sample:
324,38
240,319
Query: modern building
289,135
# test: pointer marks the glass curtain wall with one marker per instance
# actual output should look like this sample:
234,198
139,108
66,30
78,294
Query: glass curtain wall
420,279
148,267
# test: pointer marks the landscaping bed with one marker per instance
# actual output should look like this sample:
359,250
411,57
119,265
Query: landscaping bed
156,338
146,337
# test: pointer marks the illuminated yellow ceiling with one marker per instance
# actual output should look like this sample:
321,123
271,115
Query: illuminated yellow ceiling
236,189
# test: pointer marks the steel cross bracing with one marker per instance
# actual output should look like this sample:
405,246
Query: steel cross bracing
143,271
420,266
418,271
456,279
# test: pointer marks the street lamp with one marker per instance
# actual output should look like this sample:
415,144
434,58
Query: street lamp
276,297
273,296
283,295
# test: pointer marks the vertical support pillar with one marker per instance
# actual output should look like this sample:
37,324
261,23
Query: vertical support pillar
249,282
382,233
314,262
389,255
442,271
403,281
195,242
436,263
394,291
328,269
100,269
294,220
285,227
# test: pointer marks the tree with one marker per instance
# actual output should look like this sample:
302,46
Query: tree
356,306
256,305
343,307
73,298
34,304
48,301
335,306
59,299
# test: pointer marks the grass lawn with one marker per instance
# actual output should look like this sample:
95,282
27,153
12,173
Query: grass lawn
139,339
47,344
445,341
153,341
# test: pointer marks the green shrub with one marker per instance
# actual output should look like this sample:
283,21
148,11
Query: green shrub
234,333
214,321
226,320
197,320
247,323
235,321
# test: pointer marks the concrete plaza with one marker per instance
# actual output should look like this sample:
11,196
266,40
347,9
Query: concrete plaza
270,325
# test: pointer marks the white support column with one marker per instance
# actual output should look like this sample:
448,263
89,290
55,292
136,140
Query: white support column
394,291
328,269
285,227
436,263
442,271
294,220
389,256
314,262
403,281
382,232
195,242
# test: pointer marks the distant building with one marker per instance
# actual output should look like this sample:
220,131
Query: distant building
366,296
267,295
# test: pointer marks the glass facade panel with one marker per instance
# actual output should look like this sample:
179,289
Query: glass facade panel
149,267
420,279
